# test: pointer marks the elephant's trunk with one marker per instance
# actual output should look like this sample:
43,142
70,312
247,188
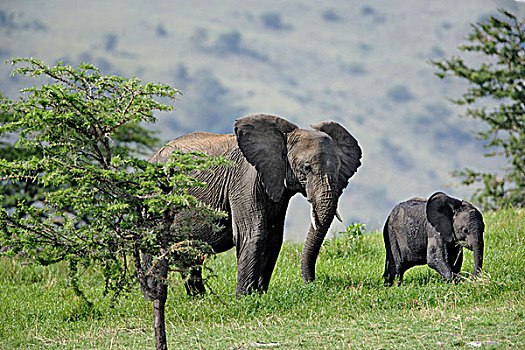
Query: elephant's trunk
478,258
324,206
476,228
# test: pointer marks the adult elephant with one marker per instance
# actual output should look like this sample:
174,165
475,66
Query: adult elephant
274,159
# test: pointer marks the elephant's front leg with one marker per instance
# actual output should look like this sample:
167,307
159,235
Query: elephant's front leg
437,257
455,257
250,260
273,245
249,232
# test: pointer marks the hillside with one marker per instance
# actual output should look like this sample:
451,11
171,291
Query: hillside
362,64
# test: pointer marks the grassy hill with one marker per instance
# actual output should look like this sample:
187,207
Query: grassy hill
362,64
346,307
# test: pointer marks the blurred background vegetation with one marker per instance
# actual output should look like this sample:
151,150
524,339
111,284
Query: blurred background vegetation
361,64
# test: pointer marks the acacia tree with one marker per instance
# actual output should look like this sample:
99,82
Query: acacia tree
498,82
131,136
99,202
15,191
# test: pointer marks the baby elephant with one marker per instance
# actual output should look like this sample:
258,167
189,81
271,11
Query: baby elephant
432,232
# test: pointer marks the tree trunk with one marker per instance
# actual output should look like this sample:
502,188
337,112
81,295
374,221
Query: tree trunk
156,290
159,305
152,277
161,288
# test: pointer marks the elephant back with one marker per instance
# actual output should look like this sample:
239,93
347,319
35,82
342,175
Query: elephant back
204,142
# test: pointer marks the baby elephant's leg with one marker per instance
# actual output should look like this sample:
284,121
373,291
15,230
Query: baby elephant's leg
437,258
455,257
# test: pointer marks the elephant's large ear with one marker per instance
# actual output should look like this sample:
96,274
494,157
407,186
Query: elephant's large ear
440,213
348,150
262,141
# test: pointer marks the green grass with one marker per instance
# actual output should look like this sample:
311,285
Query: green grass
346,307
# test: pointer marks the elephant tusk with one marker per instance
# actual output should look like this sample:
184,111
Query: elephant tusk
338,216
312,219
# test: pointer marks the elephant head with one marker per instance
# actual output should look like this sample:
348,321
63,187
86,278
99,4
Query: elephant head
458,221
316,163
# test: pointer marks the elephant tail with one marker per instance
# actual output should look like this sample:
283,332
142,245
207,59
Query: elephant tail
389,274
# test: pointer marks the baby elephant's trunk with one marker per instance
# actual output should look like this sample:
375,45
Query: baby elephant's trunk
476,228
478,258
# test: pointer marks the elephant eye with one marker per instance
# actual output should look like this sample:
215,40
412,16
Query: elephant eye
307,167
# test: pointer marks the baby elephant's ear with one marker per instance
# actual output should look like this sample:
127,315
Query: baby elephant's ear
440,213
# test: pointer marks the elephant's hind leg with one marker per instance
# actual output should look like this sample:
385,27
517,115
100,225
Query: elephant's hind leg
193,281
389,275
399,274
194,284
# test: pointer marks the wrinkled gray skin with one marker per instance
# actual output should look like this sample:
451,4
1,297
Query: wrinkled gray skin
274,160
432,232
